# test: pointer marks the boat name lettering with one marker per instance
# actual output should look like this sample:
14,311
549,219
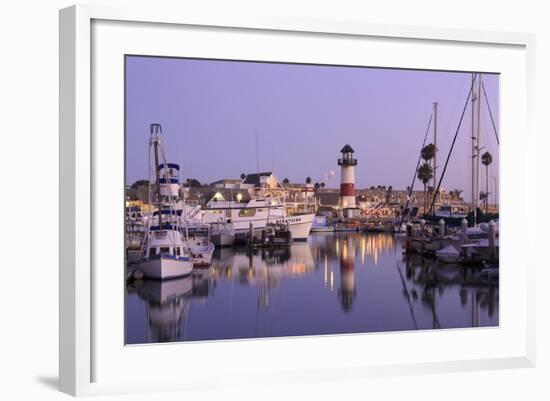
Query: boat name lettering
289,220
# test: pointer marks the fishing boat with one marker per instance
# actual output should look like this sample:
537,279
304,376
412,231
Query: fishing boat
167,253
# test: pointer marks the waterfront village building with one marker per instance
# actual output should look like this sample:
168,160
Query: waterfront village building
299,197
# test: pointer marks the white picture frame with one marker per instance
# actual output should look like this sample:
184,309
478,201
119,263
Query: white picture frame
80,343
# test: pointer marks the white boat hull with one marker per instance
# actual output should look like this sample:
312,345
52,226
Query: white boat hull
299,225
223,239
202,254
166,267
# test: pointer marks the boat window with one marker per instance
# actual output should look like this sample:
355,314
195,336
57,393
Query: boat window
152,251
177,251
247,212
164,250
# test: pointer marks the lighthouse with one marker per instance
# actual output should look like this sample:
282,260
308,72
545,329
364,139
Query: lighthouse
347,181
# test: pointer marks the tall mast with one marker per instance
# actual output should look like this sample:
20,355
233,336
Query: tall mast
473,150
155,131
435,145
478,147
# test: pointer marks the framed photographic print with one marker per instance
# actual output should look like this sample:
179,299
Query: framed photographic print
306,198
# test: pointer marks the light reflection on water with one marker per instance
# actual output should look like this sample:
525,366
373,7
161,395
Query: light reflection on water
334,283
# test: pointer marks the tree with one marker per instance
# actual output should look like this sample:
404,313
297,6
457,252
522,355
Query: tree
486,159
317,185
425,174
286,181
455,194
243,176
139,183
193,183
428,152
323,185
388,194
308,180
483,195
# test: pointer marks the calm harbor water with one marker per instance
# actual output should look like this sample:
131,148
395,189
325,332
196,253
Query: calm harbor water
335,283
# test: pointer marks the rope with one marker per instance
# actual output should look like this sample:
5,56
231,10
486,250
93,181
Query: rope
416,169
490,113
452,146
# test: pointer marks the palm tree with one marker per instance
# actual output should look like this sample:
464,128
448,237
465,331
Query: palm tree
286,181
308,180
486,159
455,194
388,194
323,185
243,176
425,174
428,152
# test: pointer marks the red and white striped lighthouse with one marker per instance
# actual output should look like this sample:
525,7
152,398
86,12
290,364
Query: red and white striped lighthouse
347,181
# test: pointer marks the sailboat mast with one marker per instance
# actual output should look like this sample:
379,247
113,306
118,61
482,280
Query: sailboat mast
478,147
473,149
435,145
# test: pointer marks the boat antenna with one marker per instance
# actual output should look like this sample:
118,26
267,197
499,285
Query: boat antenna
452,146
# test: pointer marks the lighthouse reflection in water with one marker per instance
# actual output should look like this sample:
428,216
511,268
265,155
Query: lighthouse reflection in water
333,284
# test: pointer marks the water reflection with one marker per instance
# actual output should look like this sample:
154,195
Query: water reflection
347,291
334,283
166,307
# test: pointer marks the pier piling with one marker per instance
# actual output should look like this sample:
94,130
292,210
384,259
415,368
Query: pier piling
464,230
492,240
441,228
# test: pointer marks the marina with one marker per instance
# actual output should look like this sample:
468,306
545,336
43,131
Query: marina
332,284
257,255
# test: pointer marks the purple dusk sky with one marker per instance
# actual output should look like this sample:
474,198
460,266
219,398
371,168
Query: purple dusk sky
303,115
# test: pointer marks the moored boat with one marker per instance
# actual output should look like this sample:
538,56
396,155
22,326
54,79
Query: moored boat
167,253
320,225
